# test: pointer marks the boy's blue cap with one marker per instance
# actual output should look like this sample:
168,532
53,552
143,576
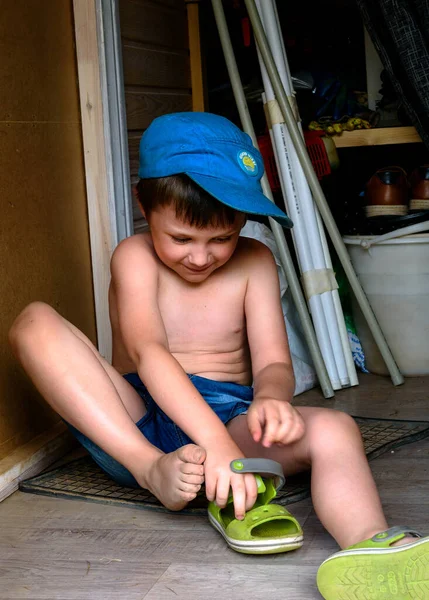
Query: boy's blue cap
215,154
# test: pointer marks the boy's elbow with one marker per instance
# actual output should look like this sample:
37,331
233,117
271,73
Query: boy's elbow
147,352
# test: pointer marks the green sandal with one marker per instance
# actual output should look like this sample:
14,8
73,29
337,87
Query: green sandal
376,570
266,528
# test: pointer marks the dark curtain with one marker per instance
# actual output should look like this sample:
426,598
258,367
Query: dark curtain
399,30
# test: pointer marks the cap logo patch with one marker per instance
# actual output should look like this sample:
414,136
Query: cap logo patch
247,162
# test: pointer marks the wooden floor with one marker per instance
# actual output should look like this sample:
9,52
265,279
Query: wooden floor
65,549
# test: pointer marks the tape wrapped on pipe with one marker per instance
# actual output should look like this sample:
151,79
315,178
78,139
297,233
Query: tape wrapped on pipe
274,115
318,281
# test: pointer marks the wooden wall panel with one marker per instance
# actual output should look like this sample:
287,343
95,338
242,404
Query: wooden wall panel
44,240
156,23
37,51
156,69
145,105
149,66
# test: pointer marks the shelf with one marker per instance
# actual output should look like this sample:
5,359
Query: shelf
377,136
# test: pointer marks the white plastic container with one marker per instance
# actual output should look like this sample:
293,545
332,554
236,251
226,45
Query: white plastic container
394,274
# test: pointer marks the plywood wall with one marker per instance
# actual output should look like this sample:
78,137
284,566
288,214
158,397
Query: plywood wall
157,76
44,238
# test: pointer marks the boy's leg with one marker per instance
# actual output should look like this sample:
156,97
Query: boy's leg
377,564
84,389
344,493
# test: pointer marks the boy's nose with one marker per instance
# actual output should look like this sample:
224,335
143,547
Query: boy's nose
199,258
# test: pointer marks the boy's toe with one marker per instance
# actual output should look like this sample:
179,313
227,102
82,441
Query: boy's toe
192,454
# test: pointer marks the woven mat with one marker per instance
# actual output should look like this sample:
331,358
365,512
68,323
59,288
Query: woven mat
82,479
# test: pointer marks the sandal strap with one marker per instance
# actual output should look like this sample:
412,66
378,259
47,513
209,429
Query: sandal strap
260,465
384,539
397,532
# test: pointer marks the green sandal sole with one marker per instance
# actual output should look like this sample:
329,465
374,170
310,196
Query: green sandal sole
377,573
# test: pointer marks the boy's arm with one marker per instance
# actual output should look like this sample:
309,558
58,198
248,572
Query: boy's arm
272,419
135,281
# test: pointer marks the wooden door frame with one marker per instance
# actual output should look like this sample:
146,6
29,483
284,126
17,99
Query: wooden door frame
105,143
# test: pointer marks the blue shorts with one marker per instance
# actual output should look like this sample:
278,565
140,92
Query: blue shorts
228,400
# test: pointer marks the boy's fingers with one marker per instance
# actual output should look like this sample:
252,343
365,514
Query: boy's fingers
254,425
292,428
296,430
210,488
270,431
239,496
222,491
251,490
284,432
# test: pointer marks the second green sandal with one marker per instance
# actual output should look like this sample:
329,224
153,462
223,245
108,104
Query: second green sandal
266,528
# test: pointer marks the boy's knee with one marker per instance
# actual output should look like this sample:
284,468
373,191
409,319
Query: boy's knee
333,425
34,321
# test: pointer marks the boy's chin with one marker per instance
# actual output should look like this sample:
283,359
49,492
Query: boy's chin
195,276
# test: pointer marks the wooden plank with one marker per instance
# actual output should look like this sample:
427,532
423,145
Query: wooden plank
176,4
151,544
377,137
133,150
30,460
137,214
146,65
192,8
153,23
29,511
80,579
95,164
145,104
32,511
376,397
238,582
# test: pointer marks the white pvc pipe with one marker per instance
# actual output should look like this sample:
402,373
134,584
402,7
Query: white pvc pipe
302,211
305,259
299,236
397,233
316,235
350,364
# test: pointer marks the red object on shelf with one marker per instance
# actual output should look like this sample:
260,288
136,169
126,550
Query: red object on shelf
317,153
245,29
266,149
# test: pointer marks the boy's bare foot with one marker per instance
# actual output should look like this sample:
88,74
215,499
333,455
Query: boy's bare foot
176,478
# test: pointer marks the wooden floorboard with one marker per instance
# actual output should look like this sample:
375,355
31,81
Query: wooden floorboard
377,397
55,549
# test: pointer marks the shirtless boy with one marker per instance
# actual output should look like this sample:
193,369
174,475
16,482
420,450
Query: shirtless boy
196,315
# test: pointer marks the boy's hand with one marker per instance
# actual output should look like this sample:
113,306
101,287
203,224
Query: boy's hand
273,421
220,481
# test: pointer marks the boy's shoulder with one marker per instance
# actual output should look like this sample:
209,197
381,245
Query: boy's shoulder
139,243
253,252
131,252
